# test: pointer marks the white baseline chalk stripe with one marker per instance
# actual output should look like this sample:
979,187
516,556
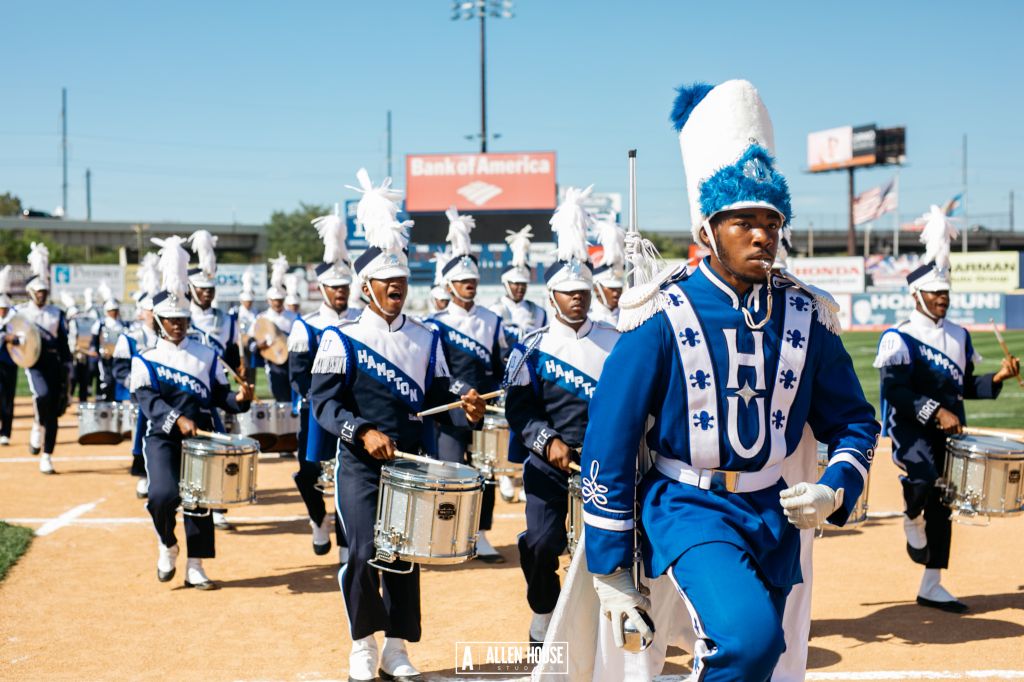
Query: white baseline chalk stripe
67,517
102,458
877,676
132,520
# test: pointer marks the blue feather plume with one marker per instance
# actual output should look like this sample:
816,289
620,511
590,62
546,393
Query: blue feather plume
687,98
752,178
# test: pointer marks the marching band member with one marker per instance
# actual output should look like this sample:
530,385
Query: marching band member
105,332
141,335
292,299
519,316
474,345
80,323
439,296
334,276
277,375
729,386
927,370
245,317
178,383
608,276
47,378
211,325
370,378
550,379
8,370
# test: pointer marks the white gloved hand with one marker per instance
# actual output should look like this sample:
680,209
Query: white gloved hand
621,601
807,505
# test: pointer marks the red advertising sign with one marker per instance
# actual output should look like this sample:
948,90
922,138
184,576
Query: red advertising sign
480,182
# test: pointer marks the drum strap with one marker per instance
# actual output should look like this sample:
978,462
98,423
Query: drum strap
518,359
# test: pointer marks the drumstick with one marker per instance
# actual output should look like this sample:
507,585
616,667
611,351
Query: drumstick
494,408
1006,349
211,434
457,403
231,370
416,458
573,466
975,431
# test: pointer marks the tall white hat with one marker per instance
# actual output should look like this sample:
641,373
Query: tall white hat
5,286
463,264
293,294
439,291
934,273
518,270
248,279
387,256
278,269
335,270
149,280
611,270
172,299
572,270
203,244
39,263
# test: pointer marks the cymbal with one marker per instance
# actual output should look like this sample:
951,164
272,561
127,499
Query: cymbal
264,330
26,352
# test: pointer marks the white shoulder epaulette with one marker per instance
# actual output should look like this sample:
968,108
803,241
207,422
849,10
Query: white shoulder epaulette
642,302
825,307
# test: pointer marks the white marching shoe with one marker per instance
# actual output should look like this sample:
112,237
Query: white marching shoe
46,464
485,550
165,562
322,536
917,539
220,520
506,488
522,495
395,664
933,595
4,440
142,488
35,439
539,627
196,577
362,660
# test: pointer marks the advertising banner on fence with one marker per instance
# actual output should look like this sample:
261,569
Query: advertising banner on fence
229,281
985,270
74,279
516,181
842,275
879,311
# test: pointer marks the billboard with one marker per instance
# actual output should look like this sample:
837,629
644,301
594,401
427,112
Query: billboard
842,147
844,275
879,311
985,271
515,181
74,279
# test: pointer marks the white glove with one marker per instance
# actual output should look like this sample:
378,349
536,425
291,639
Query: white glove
807,505
621,601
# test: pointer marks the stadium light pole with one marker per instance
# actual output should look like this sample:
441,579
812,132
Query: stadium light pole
482,9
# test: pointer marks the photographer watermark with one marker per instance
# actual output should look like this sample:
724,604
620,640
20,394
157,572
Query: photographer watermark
510,658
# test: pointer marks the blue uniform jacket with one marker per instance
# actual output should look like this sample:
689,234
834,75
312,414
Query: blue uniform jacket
719,396
473,346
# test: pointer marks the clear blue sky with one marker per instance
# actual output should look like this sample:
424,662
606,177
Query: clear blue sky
213,112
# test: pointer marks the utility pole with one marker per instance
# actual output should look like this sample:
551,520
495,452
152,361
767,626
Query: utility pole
64,147
1011,210
88,194
481,9
967,222
483,82
389,144
851,230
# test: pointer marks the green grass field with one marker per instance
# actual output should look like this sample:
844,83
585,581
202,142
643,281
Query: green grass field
14,540
1007,411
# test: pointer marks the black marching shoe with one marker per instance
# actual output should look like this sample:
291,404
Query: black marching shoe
955,606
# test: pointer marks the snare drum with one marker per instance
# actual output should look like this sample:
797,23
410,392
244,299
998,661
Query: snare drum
489,452
860,509
325,482
129,413
99,424
285,425
574,522
427,513
256,424
217,472
983,474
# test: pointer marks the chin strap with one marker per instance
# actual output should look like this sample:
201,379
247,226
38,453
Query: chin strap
924,307
706,226
451,290
600,294
558,311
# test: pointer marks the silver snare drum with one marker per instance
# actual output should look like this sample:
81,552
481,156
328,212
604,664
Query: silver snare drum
285,427
860,509
217,472
325,482
983,474
427,513
99,424
574,522
129,413
256,424
489,452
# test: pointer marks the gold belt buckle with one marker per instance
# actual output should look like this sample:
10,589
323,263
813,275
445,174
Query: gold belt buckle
730,479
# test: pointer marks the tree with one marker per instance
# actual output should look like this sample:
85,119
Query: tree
10,205
293,234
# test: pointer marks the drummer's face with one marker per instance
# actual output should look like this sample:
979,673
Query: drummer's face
204,296
937,302
336,297
573,304
389,294
517,291
40,296
465,288
174,328
276,304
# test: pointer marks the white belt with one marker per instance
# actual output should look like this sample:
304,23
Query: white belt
733,481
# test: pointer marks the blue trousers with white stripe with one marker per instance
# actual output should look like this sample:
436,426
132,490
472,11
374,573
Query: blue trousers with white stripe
163,465
736,616
543,542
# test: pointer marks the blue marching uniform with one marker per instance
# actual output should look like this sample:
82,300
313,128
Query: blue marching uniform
47,379
473,344
315,443
926,364
219,331
80,324
551,379
105,331
131,342
8,380
368,373
277,375
723,397
169,381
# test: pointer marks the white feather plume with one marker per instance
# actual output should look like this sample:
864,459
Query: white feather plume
67,300
39,260
248,279
173,265
149,274
936,235
377,212
5,280
278,269
291,284
331,229
519,244
612,239
570,223
459,227
103,291
87,298
203,244
440,259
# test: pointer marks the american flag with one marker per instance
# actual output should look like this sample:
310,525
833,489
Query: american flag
876,202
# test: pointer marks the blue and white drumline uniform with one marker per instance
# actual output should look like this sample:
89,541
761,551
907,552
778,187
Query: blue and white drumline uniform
474,346
729,387
219,329
48,377
135,339
927,363
84,367
277,375
315,443
105,331
524,317
8,370
550,380
610,272
369,373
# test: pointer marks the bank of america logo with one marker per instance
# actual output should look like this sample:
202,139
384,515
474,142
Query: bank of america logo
479,192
